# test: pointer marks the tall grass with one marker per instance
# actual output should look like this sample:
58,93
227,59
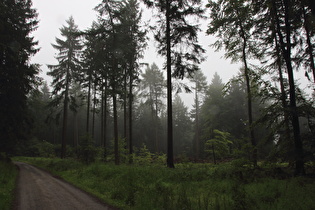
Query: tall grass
8,174
189,186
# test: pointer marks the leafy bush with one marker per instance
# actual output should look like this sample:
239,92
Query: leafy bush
142,156
219,146
37,148
122,149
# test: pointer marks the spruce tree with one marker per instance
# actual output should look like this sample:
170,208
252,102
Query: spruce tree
178,42
200,82
17,75
153,90
66,72
109,12
134,38
231,22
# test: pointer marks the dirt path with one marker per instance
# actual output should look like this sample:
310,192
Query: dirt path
39,190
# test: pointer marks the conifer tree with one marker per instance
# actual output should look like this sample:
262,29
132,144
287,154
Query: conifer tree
109,12
200,82
17,75
66,71
231,22
134,38
153,90
178,42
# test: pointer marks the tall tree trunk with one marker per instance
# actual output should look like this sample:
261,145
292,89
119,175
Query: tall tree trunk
102,117
249,96
75,130
283,93
299,163
309,43
157,149
105,121
130,117
125,106
170,158
93,116
286,52
197,141
116,146
88,106
65,116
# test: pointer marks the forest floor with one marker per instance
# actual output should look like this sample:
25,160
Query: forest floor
231,185
38,189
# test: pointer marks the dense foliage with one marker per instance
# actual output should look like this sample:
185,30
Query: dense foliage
17,76
114,105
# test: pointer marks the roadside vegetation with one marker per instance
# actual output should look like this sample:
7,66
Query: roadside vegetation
8,175
232,185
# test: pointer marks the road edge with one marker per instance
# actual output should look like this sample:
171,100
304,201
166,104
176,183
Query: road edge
16,197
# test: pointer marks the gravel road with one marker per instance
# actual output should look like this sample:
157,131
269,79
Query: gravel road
39,190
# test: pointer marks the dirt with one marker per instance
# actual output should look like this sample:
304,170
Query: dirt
38,190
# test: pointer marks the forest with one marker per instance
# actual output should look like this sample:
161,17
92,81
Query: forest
105,105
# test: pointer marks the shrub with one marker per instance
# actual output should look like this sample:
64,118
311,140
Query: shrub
87,152
37,148
8,174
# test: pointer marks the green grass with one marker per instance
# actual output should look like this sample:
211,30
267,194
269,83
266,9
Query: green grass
189,186
8,174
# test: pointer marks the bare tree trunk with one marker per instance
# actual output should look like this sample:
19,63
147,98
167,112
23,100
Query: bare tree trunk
75,130
283,94
88,106
249,97
197,141
125,105
65,116
102,117
105,121
130,117
93,116
170,154
116,146
156,118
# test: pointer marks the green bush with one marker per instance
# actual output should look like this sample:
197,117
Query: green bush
37,148
87,152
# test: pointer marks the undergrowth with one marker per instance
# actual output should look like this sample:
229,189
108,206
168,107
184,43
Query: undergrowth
8,174
189,186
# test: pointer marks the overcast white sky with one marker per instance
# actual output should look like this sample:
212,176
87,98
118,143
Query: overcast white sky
54,13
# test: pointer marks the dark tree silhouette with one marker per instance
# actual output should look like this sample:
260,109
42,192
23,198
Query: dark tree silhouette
177,41
17,76
66,71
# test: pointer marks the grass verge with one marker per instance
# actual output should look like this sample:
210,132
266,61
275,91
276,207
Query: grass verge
189,186
8,174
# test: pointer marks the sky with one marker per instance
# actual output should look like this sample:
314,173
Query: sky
54,13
